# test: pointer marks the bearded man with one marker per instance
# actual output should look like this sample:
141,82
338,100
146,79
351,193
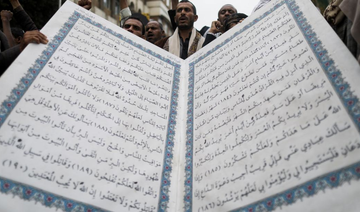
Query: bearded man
186,40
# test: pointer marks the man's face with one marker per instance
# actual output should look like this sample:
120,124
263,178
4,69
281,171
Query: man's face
134,26
185,16
225,12
153,32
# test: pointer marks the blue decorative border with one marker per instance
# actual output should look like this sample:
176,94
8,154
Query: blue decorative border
30,193
190,111
310,188
25,82
349,100
45,198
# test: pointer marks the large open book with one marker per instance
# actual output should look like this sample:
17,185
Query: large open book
265,118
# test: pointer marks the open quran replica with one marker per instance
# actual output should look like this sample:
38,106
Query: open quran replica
265,118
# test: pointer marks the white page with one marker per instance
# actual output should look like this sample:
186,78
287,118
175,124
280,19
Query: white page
88,121
276,115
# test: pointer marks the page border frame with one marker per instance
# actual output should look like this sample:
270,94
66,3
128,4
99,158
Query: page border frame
343,89
49,199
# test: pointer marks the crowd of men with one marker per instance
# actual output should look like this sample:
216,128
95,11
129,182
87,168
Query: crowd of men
185,40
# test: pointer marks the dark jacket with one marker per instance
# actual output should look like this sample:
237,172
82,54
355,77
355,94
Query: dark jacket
8,55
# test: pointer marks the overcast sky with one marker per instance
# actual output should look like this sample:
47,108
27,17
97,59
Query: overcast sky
207,10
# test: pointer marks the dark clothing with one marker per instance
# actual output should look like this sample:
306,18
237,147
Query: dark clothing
172,14
4,43
204,30
184,46
8,55
209,38
24,19
343,29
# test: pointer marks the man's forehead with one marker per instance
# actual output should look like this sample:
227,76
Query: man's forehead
133,21
228,7
184,5
153,24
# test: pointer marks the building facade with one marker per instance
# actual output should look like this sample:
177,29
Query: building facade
153,9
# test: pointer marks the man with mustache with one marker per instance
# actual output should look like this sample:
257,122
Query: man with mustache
186,40
154,31
132,23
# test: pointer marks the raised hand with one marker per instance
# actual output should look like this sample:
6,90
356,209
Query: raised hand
216,27
6,15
